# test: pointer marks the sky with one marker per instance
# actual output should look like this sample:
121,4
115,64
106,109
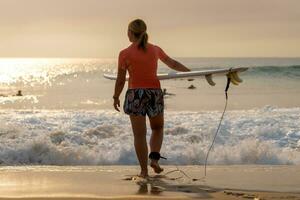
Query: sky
183,28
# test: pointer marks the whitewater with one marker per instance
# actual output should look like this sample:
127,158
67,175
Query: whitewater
262,136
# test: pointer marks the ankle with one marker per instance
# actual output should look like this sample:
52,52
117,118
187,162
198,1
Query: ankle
152,161
156,156
145,170
144,173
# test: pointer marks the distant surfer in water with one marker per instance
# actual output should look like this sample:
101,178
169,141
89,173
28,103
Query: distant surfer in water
19,94
192,87
144,95
165,93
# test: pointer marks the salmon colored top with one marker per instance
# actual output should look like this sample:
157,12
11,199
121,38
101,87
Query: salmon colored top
141,65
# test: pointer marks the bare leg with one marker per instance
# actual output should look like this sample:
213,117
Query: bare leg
138,124
157,126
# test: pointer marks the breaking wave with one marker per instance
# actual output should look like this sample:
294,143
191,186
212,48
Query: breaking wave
262,136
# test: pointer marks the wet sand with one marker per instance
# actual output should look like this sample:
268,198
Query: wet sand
120,182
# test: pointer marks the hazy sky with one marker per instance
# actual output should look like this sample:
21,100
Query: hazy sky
183,28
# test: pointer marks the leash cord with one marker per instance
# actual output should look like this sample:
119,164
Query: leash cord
212,144
221,119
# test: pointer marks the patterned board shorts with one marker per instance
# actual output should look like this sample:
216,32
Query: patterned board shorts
144,101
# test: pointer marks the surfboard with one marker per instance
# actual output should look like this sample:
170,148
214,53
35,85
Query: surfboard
231,72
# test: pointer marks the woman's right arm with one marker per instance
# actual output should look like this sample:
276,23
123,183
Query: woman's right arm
120,82
174,64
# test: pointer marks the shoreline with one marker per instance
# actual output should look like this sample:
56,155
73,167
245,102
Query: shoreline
120,182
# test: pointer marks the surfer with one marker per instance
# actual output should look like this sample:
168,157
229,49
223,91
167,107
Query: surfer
19,94
192,87
144,95
165,93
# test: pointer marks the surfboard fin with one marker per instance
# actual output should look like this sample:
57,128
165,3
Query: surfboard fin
232,79
208,78
236,77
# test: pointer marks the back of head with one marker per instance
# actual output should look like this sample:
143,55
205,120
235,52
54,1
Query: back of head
138,27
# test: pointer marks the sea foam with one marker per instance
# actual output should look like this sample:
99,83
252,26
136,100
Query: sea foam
55,137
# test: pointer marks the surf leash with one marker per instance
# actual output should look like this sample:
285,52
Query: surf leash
215,136
221,119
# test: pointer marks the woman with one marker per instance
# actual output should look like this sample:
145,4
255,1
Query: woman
144,95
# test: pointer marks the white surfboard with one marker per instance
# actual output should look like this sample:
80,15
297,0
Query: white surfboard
232,73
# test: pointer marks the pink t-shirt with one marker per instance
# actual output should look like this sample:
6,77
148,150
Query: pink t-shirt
141,65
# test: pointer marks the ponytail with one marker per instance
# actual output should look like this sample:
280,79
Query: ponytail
143,41
138,27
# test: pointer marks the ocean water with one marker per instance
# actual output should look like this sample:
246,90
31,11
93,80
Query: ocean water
65,115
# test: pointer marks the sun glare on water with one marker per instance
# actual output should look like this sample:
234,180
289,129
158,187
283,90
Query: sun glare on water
39,70
12,70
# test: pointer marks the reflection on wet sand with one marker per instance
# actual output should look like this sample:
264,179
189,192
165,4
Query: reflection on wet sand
160,184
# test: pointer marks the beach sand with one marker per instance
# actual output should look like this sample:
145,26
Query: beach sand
120,182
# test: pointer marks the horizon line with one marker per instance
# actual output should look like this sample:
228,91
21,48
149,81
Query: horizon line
29,57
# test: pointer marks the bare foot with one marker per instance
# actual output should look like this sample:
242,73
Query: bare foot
157,169
144,174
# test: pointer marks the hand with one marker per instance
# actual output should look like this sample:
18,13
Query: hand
117,104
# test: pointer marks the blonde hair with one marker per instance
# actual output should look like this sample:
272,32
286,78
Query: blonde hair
138,27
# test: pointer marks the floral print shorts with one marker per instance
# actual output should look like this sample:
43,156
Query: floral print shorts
144,101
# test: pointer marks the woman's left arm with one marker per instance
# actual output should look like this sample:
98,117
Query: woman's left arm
119,85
